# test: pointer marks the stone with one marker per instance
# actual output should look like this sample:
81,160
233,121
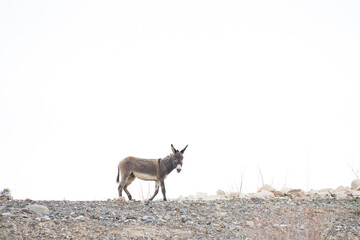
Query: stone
180,198
38,209
355,184
7,215
213,197
250,195
185,218
120,200
80,218
285,190
278,194
341,189
191,197
241,195
356,193
219,219
250,223
323,194
233,194
314,194
326,190
296,192
220,193
267,187
341,195
264,194
276,225
201,195
147,218
301,197
45,218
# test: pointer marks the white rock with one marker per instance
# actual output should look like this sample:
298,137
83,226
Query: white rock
241,195
285,189
264,194
191,197
250,223
341,195
233,194
341,189
220,193
212,197
120,199
180,197
296,192
323,194
80,218
355,184
356,193
45,218
7,214
38,209
327,190
279,225
251,195
314,194
268,188
201,195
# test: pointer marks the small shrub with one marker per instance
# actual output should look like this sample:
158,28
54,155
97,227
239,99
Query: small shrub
5,194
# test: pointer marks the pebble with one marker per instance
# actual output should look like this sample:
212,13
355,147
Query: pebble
185,219
250,223
80,218
147,218
37,209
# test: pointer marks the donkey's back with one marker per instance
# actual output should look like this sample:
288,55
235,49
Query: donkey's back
137,167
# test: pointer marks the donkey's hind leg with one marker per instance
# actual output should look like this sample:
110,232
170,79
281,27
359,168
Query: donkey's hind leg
129,181
124,179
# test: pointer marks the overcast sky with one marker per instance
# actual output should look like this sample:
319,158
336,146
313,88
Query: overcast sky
251,86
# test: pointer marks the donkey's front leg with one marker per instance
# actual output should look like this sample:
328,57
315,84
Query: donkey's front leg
163,189
157,185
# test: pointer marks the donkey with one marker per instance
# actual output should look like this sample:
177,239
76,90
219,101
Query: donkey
149,170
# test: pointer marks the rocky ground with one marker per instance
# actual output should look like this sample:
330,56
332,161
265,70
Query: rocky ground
231,218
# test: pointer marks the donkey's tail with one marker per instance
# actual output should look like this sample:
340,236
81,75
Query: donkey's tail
117,178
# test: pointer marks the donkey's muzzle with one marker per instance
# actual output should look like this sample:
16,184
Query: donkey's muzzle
178,168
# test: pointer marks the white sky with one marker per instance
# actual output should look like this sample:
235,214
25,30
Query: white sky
272,85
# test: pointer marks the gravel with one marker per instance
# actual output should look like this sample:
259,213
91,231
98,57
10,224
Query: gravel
278,218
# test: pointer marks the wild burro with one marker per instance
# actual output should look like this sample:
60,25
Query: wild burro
149,170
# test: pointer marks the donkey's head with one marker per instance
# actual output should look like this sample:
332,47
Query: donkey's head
178,157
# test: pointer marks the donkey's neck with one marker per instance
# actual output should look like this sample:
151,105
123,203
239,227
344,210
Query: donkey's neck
168,163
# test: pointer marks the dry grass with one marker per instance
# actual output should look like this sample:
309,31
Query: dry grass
144,194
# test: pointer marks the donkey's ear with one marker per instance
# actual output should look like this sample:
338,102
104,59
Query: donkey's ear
182,151
173,149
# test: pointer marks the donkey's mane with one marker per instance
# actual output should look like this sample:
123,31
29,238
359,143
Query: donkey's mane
169,165
168,156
